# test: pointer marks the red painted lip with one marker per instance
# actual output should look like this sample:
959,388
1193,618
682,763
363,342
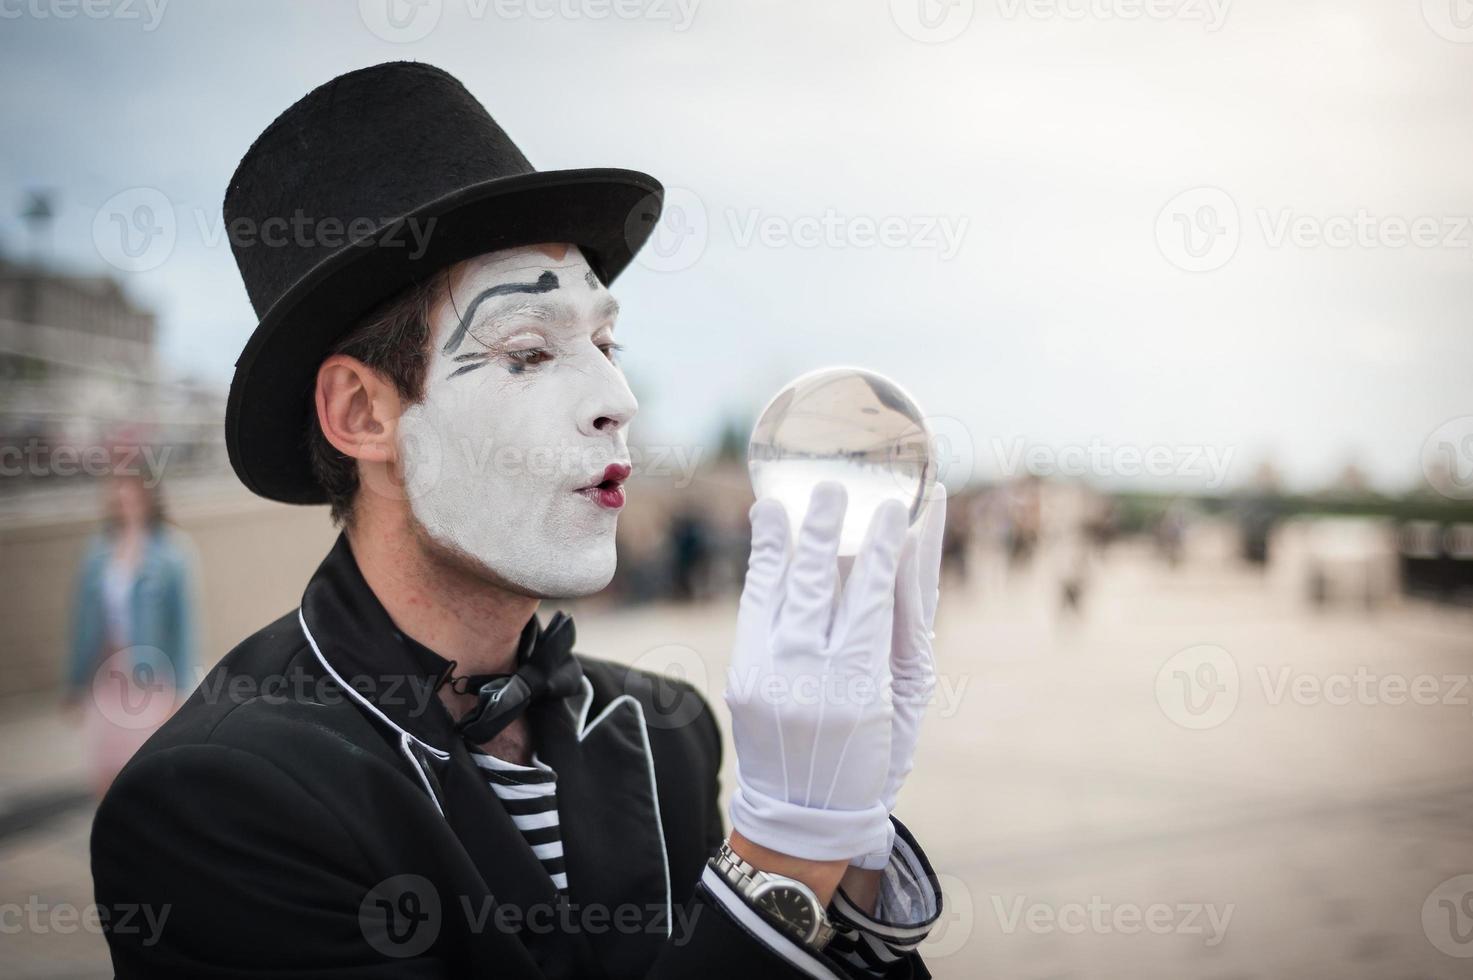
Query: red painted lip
612,499
609,492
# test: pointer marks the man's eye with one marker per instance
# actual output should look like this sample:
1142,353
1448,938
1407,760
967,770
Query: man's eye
526,358
610,349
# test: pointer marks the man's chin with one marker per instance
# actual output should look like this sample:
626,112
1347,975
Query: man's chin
567,582
574,574
579,573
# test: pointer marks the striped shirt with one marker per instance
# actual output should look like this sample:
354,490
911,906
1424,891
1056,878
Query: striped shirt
869,944
529,794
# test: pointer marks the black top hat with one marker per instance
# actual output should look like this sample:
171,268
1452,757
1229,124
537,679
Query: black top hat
367,185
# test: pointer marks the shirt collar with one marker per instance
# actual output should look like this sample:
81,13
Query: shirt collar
389,673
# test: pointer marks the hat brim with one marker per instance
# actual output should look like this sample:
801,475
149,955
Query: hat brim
609,214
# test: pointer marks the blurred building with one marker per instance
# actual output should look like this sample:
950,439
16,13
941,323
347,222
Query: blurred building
79,367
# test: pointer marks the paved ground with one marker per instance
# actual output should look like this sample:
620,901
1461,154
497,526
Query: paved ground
1195,778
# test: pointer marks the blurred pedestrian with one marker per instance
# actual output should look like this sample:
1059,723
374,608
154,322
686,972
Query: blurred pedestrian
132,627
690,555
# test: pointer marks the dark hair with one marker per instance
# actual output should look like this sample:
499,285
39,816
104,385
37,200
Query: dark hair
393,340
153,492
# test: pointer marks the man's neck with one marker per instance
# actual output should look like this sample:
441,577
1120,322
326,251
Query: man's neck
456,613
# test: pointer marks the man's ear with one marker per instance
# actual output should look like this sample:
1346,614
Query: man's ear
358,409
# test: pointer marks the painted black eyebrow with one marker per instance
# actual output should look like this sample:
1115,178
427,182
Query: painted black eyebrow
465,369
545,283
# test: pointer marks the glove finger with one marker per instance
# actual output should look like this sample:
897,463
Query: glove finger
917,585
808,601
912,657
910,614
930,556
770,537
867,607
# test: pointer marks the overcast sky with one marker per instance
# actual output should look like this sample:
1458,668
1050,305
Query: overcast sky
1235,229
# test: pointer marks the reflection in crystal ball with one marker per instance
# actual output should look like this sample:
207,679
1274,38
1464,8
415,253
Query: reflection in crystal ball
845,424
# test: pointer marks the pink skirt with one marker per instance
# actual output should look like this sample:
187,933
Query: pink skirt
118,717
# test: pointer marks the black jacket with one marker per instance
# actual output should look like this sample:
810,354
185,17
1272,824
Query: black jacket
310,812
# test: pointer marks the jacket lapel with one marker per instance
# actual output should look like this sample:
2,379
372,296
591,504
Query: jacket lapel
359,646
613,842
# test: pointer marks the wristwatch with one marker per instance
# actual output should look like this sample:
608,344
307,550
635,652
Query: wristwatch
786,902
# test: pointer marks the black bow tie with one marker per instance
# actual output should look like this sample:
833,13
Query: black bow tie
546,670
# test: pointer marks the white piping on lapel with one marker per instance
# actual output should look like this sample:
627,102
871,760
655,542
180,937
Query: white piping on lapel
405,738
406,742
581,714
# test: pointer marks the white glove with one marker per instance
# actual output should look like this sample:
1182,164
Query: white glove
808,687
912,656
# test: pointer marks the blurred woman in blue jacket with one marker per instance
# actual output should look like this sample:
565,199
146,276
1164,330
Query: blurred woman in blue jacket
133,627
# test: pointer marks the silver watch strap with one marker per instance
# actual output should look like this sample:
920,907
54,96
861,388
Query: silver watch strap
742,877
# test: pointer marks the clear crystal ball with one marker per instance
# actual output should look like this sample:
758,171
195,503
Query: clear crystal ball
849,425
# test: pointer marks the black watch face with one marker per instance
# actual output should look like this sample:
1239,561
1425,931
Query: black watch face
790,907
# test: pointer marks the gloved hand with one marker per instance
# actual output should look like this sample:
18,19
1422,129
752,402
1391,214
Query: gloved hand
912,656
809,683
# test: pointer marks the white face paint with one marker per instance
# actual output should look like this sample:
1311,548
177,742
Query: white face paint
523,412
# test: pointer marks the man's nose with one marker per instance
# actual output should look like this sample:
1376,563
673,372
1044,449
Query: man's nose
610,405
